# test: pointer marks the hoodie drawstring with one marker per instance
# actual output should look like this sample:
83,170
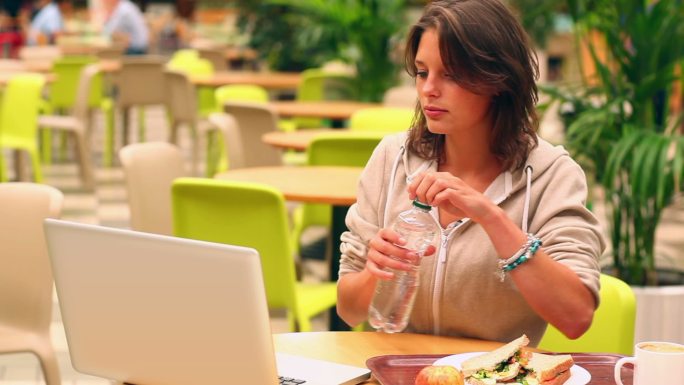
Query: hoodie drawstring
388,203
528,193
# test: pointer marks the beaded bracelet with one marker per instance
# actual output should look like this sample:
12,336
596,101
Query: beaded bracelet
524,254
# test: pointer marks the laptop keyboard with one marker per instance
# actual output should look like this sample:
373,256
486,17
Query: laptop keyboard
290,381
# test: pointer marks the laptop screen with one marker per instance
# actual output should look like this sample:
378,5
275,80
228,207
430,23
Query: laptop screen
151,309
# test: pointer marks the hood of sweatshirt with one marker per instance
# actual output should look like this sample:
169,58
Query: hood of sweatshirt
539,161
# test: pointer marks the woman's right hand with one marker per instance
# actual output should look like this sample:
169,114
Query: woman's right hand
385,251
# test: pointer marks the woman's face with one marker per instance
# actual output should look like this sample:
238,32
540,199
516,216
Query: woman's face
448,107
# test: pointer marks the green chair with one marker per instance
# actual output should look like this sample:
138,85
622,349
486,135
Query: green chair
252,215
334,149
240,93
382,119
62,95
19,119
612,330
318,84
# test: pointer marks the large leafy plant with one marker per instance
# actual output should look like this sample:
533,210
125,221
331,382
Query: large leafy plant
621,124
275,32
365,33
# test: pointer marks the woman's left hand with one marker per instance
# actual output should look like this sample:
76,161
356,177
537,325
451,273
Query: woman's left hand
450,193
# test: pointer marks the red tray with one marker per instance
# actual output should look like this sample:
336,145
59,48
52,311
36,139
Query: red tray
403,369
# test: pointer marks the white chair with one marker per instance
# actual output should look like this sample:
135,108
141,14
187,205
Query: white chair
228,127
140,83
25,277
149,170
182,107
78,125
253,121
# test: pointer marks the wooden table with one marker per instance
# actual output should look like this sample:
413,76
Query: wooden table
268,80
334,185
324,109
298,140
354,348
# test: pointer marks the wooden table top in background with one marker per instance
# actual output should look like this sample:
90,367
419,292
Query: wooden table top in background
330,109
297,140
333,185
268,80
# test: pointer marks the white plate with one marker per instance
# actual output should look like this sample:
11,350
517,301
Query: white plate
578,375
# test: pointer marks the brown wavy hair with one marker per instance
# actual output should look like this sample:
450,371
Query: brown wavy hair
484,46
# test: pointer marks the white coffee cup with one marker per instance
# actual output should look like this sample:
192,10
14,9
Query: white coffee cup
655,362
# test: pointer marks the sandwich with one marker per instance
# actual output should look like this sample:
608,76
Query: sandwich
499,365
544,369
512,364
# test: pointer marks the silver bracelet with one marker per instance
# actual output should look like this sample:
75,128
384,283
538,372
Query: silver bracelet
524,254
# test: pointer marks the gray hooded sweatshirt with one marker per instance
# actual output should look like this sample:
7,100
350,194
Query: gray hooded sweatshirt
460,293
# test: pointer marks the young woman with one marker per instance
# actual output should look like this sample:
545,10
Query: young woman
497,191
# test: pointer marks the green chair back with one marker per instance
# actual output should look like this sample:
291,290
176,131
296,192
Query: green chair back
317,84
382,119
68,73
252,215
332,150
612,330
240,93
19,119
343,149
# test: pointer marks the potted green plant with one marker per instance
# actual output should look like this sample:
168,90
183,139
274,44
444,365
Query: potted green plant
367,34
273,30
621,127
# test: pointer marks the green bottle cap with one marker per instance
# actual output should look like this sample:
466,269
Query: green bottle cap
421,205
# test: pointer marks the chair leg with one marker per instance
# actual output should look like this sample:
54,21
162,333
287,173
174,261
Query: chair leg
3,171
63,145
35,163
195,149
50,366
108,156
211,155
304,324
173,132
84,162
126,125
292,321
46,146
141,124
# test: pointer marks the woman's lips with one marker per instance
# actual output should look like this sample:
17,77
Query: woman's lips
433,112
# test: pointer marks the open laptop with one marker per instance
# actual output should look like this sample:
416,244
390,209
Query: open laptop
151,309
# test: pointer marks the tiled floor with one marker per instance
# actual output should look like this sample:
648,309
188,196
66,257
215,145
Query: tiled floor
106,206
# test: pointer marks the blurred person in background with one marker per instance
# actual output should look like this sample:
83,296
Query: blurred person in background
11,36
125,25
46,23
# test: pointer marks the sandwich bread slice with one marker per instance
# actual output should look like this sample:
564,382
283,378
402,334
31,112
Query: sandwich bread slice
497,366
545,369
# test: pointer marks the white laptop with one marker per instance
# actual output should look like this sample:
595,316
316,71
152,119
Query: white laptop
148,309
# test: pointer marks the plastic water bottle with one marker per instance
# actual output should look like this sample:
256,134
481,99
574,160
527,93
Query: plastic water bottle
393,299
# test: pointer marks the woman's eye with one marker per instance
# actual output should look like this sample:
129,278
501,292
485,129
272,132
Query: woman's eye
421,74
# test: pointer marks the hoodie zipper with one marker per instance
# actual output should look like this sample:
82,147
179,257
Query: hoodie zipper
445,236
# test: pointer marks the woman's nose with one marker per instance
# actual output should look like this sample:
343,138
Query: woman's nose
429,87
